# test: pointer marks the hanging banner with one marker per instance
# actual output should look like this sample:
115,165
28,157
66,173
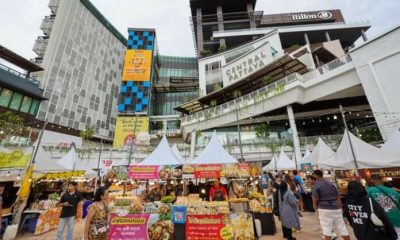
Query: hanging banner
63,175
14,159
381,172
179,214
137,65
207,170
124,135
130,226
204,227
143,172
306,167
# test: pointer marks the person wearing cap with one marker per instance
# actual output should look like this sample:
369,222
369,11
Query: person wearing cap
218,192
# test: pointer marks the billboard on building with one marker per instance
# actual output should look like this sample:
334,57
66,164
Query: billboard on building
137,66
124,128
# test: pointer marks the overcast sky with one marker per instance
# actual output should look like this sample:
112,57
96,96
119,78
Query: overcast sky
21,18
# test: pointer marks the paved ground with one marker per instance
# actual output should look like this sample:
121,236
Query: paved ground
310,231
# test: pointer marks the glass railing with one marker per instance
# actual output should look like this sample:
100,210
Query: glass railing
259,95
19,74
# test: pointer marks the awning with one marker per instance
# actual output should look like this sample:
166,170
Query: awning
276,70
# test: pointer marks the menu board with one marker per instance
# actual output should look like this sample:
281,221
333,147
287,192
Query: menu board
205,227
130,226
143,172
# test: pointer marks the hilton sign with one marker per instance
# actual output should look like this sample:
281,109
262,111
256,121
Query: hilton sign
323,15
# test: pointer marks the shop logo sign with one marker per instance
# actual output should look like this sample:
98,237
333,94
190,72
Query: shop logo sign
323,15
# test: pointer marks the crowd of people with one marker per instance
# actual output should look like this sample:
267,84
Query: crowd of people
372,212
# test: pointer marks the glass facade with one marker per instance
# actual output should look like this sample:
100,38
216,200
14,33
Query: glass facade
184,72
18,102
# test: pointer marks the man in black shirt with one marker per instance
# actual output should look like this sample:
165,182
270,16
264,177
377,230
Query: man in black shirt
69,203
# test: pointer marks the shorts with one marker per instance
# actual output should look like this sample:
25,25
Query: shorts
331,220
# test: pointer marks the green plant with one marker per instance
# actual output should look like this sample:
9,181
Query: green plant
370,135
213,103
205,52
221,48
274,146
159,125
216,87
178,124
263,130
267,79
87,134
11,124
198,134
237,93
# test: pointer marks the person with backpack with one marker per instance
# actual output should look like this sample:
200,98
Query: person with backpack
367,218
388,199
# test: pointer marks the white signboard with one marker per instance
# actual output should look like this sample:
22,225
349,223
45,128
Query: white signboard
247,65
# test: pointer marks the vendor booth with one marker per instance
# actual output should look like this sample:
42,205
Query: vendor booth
160,211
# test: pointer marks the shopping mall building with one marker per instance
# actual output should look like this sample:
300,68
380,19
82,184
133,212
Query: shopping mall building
291,70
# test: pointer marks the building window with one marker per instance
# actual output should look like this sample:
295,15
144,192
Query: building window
16,101
34,107
5,97
26,104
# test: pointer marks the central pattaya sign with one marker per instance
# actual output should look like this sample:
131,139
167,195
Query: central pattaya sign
247,64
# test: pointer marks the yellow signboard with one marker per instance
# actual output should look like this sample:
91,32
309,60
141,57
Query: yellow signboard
124,130
15,159
137,66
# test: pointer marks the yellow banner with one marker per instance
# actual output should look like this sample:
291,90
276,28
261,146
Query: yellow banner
14,159
124,130
64,175
137,66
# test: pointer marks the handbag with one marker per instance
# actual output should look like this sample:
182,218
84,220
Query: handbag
374,219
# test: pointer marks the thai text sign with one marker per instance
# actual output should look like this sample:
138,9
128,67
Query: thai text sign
137,66
381,172
124,127
130,226
15,159
143,172
204,227
207,170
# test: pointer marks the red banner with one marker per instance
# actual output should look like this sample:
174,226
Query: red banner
207,170
143,172
204,227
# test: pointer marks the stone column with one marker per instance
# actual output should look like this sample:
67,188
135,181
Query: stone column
327,36
199,32
296,141
363,35
220,24
306,39
250,12
165,126
192,145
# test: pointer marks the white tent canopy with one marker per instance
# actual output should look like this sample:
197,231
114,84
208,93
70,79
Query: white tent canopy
178,154
285,163
271,166
366,155
392,145
72,162
322,153
214,153
306,154
162,155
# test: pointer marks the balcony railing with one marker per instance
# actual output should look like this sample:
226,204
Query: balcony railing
165,132
47,24
53,5
19,74
40,45
264,93
261,94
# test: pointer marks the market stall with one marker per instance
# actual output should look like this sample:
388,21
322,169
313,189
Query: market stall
321,153
155,213
281,163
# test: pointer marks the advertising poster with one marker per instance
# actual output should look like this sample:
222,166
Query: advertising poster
137,65
14,159
130,226
381,172
143,172
207,170
48,220
205,227
306,167
124,127
179,214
